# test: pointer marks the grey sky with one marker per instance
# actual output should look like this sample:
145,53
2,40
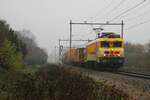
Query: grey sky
49,19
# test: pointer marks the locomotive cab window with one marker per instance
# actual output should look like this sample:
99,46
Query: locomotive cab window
105,44
117,44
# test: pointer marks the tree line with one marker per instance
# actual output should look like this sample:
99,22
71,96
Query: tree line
137,56
17,49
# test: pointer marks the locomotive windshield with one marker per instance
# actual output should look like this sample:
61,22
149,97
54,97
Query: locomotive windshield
108,44
105,44
117,44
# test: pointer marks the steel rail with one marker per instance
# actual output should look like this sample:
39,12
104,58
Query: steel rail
134,74
124,73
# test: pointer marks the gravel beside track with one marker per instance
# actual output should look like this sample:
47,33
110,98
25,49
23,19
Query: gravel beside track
137,88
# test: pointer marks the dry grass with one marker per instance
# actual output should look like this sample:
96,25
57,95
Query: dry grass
51,82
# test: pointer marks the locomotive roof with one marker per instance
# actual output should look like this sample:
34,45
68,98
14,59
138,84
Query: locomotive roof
104,39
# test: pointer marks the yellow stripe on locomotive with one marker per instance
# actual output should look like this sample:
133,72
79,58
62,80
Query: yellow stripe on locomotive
106,50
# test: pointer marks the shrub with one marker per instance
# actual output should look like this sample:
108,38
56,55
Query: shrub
57,83
9,57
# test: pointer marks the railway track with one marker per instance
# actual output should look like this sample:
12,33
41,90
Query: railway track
135,84
133,74
121,72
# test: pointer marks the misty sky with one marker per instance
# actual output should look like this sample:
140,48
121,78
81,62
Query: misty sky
49,19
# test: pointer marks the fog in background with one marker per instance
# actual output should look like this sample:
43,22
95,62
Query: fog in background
48,20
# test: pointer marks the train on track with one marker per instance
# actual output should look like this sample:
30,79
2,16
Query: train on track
106,51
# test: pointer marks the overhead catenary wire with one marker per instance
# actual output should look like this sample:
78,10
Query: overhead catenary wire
97,14
136,25
128,10
115,7
143,10
136,17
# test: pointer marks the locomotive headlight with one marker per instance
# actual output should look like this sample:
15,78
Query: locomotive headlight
119,55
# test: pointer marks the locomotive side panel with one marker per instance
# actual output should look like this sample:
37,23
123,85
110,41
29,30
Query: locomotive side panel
102,52
91,52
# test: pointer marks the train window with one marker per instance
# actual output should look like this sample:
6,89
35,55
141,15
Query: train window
105,44
117,44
